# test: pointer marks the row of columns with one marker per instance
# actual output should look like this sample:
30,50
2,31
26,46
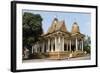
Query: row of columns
58,45
81,44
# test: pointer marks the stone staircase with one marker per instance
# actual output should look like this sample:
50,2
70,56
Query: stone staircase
58,55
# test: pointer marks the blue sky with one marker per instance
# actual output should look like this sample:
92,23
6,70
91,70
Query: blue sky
83,20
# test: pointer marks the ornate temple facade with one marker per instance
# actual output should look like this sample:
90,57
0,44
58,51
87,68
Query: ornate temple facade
59,41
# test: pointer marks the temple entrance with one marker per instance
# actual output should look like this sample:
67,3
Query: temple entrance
53,47
65,47
73,47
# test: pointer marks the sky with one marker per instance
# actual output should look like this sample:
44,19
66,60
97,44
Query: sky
83,20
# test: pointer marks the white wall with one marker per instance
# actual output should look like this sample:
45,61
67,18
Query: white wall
5,36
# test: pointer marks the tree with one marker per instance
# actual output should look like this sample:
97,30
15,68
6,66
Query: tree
32,28
87,44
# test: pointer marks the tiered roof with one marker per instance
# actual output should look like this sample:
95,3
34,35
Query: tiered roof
61,27
57,26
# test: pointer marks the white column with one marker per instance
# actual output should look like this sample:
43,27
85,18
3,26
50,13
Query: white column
43,46
55,43
76,45
82,45
51,45
59,39
32,49
59,44
70,45
67,45
36,49
39,47
62,43
48,45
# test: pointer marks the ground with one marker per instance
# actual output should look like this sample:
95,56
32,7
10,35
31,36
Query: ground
87,57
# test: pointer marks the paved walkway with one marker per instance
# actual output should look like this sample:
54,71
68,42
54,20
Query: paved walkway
49,60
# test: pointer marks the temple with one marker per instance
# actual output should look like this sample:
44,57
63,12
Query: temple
58,42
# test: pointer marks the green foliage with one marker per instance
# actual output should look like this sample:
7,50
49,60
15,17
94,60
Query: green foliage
32,28
87,44
87,49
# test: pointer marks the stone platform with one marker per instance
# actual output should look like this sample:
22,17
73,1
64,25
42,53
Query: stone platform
64,55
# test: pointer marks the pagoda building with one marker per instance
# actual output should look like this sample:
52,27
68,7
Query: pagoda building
58,41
